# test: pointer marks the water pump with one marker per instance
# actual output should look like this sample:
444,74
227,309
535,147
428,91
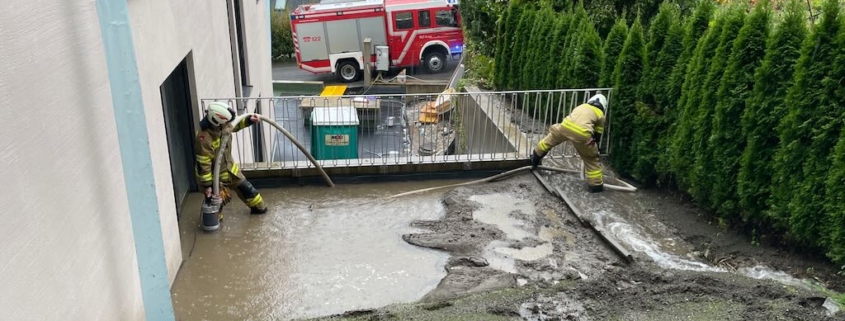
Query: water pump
211,208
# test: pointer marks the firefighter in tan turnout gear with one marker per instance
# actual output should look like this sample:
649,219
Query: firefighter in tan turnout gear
206,145
583,127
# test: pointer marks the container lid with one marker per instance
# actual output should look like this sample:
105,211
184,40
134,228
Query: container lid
334,116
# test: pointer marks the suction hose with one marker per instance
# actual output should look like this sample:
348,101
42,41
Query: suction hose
512,172
225,140
489,179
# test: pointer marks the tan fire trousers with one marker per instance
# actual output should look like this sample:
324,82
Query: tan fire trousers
589,153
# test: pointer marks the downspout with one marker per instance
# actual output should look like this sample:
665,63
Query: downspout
131,125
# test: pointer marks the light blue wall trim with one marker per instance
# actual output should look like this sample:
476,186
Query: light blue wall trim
135,155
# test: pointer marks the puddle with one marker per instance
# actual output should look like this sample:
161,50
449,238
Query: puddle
500,210
527,253
318,252
496,210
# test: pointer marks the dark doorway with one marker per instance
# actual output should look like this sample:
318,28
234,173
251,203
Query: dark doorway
176,102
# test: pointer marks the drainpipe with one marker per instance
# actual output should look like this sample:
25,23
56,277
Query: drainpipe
135,157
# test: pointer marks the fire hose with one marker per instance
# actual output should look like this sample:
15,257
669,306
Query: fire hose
225,141
210,210
627,188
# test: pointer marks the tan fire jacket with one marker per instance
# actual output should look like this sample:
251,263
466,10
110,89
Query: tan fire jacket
206,144
586,120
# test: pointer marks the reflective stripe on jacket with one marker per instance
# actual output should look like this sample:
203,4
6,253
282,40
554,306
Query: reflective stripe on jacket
585,120
206,145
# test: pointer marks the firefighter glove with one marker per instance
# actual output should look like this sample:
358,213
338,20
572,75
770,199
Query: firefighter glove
536,160
596,139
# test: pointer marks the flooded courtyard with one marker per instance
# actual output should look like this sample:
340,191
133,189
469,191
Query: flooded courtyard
505,250
318,251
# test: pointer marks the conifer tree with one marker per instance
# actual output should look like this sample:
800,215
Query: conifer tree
504,49
627,75
805,132
556,50
726,140
538,49
694,29
835,204
765,109
501,41
522,38
822,125
587,64
573,37
664,47
612,47
701,178
681,159
657,33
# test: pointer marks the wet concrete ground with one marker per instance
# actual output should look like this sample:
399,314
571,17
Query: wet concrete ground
318,251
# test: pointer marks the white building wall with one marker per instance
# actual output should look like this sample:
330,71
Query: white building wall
67,248
66,245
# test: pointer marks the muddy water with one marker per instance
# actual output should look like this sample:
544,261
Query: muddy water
635,226
318,251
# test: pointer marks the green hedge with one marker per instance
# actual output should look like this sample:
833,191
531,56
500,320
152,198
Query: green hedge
737,84
629,70
809,131
764,111
740,107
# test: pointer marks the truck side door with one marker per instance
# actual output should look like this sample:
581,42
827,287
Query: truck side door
403,25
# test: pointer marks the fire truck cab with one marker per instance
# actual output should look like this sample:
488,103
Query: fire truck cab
329,37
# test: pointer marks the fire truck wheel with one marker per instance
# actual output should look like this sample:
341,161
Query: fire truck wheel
347,71
434,62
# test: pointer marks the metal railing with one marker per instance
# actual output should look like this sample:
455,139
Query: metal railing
376,130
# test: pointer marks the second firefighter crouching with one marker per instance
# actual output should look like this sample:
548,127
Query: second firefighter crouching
583,128
206,145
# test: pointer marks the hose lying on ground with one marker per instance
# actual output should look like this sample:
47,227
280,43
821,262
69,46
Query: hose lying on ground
225,140
627,188
485,180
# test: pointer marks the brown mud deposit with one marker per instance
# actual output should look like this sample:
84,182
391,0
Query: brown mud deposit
502,239
518,253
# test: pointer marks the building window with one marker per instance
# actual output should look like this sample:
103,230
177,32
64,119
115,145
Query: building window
445,18
404,20
424,18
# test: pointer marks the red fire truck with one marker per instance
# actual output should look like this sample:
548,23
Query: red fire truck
329,37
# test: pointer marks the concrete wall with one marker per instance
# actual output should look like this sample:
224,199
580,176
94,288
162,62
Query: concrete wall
67,250
67,246
482,122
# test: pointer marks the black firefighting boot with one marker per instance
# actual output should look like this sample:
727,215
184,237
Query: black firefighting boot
596,188
256,210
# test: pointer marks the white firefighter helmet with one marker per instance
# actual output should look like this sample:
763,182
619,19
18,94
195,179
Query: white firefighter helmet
219,113
598,99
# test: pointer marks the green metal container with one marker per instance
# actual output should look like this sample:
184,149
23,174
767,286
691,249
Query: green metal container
334,133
